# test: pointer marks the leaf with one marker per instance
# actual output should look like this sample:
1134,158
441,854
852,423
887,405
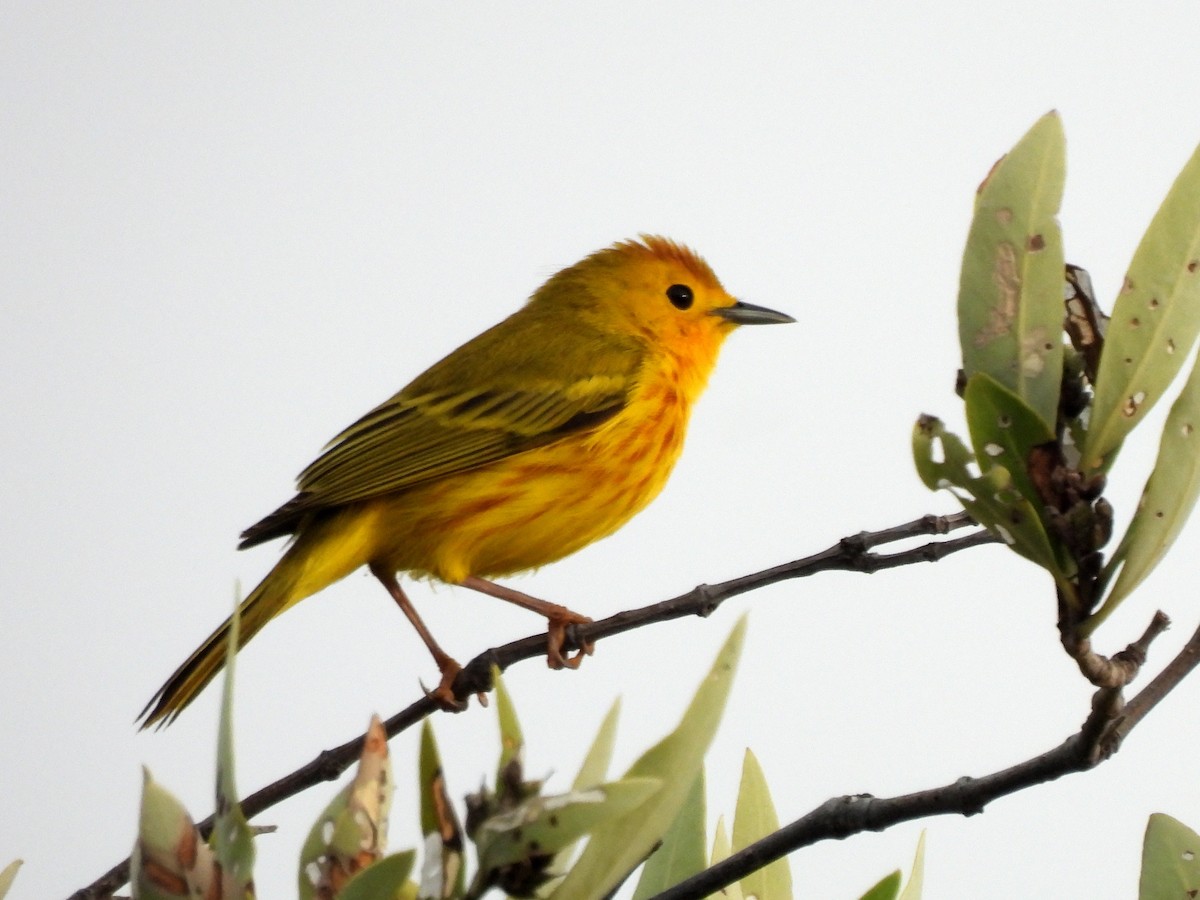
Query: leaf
1003,431
755,818
1167,500
1010,299
682,852
351,832
916,881
618,846
443,871
599,755
8,875
541,826
1154,323
1170,860
888,888
510,767
169,859
232,841
990,498
722,849
591,772
386,879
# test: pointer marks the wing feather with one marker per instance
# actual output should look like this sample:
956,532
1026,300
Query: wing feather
430,437
513,402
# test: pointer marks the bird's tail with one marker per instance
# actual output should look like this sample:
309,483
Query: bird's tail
317,559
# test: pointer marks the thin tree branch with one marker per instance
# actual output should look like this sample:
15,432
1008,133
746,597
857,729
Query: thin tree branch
841,817
1149,697
853,554
1119,669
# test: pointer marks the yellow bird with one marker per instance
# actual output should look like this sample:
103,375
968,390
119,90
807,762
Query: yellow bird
543,434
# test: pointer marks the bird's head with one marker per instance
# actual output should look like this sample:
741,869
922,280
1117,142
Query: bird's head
655,290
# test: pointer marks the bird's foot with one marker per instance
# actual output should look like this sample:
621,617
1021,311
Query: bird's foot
559,620
443,695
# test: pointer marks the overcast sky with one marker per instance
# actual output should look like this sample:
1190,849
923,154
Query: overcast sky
225,233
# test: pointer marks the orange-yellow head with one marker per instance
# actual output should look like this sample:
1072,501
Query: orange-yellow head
655,290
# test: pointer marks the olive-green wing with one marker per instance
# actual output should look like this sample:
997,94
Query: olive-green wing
496,396
415,439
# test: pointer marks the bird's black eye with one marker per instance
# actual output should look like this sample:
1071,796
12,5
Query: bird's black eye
680,296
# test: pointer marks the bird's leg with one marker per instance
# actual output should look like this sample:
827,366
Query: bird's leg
447,665
559,617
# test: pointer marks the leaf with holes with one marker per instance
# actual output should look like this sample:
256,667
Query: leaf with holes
1154,323
1004,431
943,462
169,859
1170,860
541,826
1010,298
351,833
1167,500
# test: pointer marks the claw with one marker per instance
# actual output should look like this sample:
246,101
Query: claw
557,619
443,694
557,636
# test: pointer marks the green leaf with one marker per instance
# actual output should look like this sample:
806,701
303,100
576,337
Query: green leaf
1003,431
1010,299
1170,860
333,827
386,879
232,840
722,849
8,875
888,888
1167,500
439,825
682,852
542,826
351,832
592,772
599,755
944,463
755,818
916,881
169,859
511,740
1154,323
618,846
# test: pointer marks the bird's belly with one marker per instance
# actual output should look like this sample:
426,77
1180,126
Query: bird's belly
535,508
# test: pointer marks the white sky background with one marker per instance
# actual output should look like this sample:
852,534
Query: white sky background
225,234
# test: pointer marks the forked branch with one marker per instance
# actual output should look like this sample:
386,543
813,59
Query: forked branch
1106,726
854,553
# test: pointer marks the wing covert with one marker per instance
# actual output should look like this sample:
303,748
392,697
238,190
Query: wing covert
412,439
522,384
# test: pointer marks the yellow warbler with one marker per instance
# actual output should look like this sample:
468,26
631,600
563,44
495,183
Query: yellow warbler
545,433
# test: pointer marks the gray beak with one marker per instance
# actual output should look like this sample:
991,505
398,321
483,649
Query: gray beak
749,314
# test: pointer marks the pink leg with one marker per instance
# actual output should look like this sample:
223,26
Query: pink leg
447,665
558,617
